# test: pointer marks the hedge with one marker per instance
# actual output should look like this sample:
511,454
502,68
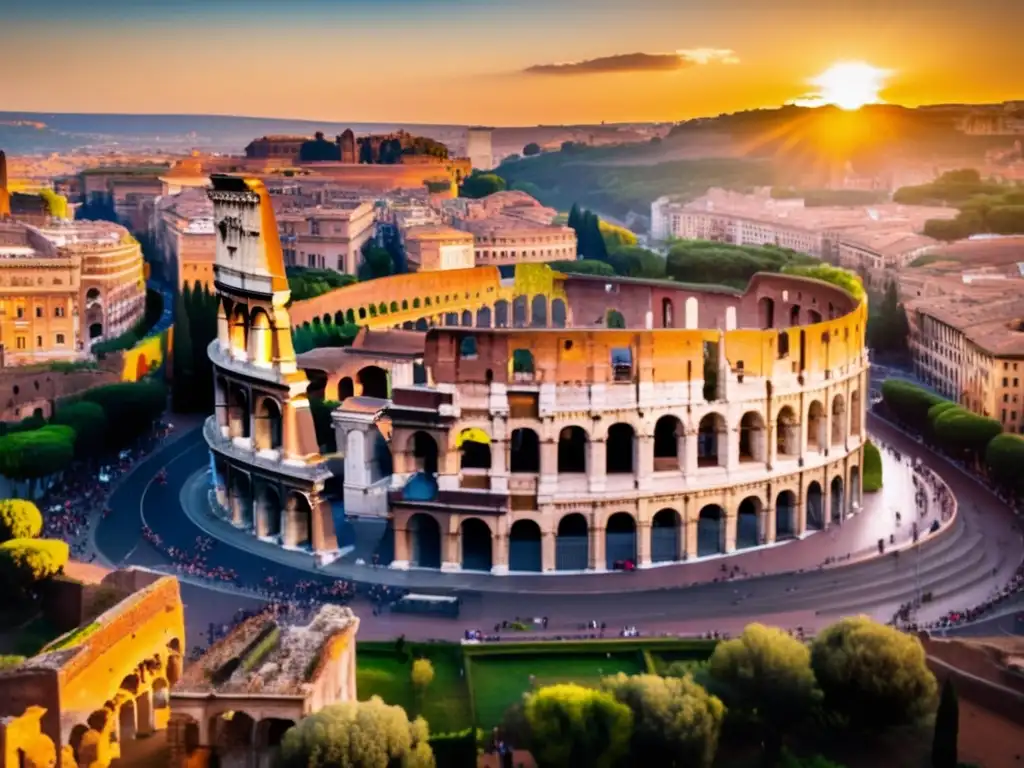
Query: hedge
31,560
38,453
909,402
19,519
959,431
455,750
871,479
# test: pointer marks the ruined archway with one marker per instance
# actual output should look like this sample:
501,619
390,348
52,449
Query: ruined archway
711,531
501,312
666,527
476,545
785,515
474,446
298,521
524,547
424,541
815,427
539,311
520,311
268,512
815,509
241,499
238,411
787,434
268,425
837,500
668,433
711,435
747,517
572,451
373,382
524,451
752,438
572,551
483,317
619,540
620,449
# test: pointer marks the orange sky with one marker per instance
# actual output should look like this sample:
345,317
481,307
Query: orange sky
464,61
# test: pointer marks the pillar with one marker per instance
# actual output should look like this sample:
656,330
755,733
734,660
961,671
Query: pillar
729,532
144,724
401,541
451,550
499,553
690,454
690,538
596,465
643,543
547,482
597,555
643,463
801,515
766,532
681,451
548,541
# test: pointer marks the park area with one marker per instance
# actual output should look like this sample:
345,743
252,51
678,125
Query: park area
474,685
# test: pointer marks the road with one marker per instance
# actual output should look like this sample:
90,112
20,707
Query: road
793,598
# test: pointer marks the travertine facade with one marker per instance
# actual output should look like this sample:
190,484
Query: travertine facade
327,237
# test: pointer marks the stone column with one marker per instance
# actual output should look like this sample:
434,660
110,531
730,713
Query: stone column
451,550
596,466
767,528
401,537
690,538
548,560
682,451
499,553
801,515
690,454
643,544
597,555
827,407
643,464
729,532
547,481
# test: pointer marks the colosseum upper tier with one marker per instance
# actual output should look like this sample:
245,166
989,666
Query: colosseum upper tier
539,423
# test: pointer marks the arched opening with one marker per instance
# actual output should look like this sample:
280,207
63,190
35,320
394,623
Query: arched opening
813,316
524,451
424,541
451,319
837,499
711,531
787,435
239,331
75,741
268,512
539,311
373,382
747,523
855,490
161,694
620,541
231,735
855,412
614,319
519,312
421,324
467,318
838,420
794,315
572,550
572,451
766,312
241,499
666,526
524,547
467,348
95,330
346,389
668,433
559,316
424,452
483,317
691,318
238,411
815,427
476,545
752,438
126,722
261,339
711,436
268,425
667,318
785,515
474,447
130,683
270,732
619,450
501,314
522,365
174,668
339,317
298,522
815,510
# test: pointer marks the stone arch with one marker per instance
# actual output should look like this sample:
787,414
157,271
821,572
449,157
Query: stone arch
766,312
346,389
814,507
261,339
691,314
619,539
539,311
712,433
126,721
711,531
239,330
421,324
559,316
521,365
747,522
232,732
161,694
419,373
816,427
620,450
476,545
424,450
268,511
467,319
787,433
520,312
855,489
837,499
241,499
667,313
501,314
668,433
238,411
614,319
339,317
483,317
268,425
424,541
451,319
838,420
130,683
373,382
468,348
572,548
524,451
794,315
270,732
572,450
813,316
752,438
785,515
298,521
855,413
474,450
666,527
524,547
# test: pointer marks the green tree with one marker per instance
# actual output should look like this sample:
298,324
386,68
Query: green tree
675,721
531,149
183,362
357,734
766,674
19,519
131,408
478,185
872,674
947,728
964,434
377,262
24,562
38,453
888,328
570,725
634,261
422,675
909,403
1004,457
583,267
90,425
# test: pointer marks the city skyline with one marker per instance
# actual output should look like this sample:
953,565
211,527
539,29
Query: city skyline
473,61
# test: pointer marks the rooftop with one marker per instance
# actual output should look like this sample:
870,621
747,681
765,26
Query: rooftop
437,232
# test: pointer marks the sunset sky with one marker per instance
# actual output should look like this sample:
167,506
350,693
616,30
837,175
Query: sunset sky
500,62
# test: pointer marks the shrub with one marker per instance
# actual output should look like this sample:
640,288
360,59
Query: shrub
909,402
19,519
871,480
27,561
422,674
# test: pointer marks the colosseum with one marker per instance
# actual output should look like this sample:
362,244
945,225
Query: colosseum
537,423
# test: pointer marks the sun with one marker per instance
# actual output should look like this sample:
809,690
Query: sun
848,85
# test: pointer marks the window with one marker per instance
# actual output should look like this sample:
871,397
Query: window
21,343
60,338
58,312
39,311
1015,382
39,341
1005,381
21,312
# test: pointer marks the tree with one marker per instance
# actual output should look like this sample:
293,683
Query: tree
38,453
961,432
357,734
27,561
634,261
909,403
531,149
888,328
90,425
583,267
766,674
422,675
130,407
19,519
183,361
872,674
675,721
1004,457
615,236
947,728
377,262
871,480
479,185
570,725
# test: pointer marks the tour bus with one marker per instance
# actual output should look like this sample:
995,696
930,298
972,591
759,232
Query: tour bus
438,605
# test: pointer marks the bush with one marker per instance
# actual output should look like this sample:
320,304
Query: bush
959,431
455,750
909,402
422,674
38,453
570,725
871,479
1004,457
584,267
19,519
838,276
26,561
89,422
131,408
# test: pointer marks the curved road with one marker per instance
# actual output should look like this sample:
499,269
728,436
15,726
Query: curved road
792,598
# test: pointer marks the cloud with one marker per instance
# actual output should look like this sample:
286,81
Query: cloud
638,62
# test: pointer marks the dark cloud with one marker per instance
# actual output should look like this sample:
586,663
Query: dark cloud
637,62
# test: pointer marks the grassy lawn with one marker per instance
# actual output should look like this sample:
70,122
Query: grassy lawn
499,681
